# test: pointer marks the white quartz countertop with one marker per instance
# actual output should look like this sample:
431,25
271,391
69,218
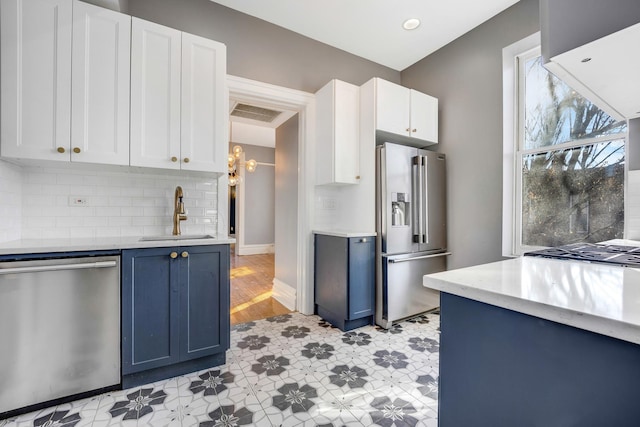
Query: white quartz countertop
29,246
596,297
345,233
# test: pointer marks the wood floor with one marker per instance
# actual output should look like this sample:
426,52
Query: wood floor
251,288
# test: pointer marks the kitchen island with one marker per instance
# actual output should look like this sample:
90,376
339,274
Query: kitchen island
539,342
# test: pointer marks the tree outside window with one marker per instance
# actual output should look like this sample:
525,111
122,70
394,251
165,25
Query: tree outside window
571,157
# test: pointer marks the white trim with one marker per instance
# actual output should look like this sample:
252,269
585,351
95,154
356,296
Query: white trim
284,294
509,138
303,103
267,248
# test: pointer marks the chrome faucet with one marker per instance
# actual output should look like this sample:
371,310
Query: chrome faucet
178,211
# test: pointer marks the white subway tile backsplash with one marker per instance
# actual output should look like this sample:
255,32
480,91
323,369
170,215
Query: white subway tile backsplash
117,203
133,211
632,208
119,221
108,211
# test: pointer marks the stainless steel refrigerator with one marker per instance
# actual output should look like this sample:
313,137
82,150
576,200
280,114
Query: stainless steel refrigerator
411,227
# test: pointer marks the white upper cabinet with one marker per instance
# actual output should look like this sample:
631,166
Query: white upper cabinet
204,116
337,134
424,116
155,95
35,78
393,108
100,86
401,114
178,115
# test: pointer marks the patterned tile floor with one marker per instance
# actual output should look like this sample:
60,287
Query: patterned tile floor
288,370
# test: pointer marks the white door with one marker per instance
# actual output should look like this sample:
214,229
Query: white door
155,95
35,78
424,116
204,144
100,86
392,108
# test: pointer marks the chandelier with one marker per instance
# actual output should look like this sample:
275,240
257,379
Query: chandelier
235,162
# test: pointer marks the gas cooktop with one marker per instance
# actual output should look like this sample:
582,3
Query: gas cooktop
626,256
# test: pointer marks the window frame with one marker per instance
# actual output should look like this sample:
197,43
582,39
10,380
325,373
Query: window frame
513,138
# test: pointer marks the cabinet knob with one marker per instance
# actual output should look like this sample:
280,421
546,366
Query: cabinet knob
60,150
174,159
76,150
357,176
173,255
414,130
184,254
186,160
408,129
363,240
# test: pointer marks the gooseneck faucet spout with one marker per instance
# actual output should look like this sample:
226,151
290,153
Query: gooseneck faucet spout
178,211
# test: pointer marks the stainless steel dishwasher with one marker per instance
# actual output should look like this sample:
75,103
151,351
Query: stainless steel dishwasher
59,328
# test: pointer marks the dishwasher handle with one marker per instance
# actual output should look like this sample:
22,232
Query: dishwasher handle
397,260
58,267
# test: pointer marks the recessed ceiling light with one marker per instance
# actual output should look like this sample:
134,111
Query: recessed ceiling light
411,24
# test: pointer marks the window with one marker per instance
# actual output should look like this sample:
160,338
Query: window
567,163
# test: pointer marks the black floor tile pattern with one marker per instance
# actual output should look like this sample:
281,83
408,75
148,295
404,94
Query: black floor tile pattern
289,370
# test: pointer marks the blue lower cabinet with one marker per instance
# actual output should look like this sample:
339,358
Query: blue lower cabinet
345,280
175,311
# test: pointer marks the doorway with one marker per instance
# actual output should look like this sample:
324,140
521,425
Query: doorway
298,293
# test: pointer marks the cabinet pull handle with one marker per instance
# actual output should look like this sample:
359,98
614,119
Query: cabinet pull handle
61,150
184,254
174,159
76,150
186,160
173,255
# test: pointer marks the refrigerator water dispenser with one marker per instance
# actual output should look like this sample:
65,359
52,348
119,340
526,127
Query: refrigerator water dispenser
399,209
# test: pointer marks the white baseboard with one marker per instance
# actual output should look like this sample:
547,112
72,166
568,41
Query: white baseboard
284,294
269,248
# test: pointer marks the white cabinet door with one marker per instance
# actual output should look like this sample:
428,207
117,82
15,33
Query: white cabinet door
392,108
204,144
100,86
338,134
424,116
35,78
155,95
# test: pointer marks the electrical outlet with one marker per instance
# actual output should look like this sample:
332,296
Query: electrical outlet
78,201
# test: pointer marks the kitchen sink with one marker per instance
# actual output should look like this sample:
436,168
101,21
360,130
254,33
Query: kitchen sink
179,237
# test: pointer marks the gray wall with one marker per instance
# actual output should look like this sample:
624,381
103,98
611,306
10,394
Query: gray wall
259,187
466,77
259,50
286,202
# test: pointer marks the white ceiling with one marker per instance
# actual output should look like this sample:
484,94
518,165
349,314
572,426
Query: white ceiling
373,29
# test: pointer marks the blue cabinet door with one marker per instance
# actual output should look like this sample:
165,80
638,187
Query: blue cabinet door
150,309
362,279
345,280
204,301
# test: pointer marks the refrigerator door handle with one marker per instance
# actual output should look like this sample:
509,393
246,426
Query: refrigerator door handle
424,203
395,261
416,171
419,189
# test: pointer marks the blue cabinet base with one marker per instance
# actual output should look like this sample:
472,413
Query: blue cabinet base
340,322
503,368
164,372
